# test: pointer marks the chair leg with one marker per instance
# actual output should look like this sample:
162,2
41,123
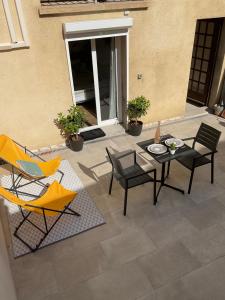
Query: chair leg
190,182
47,229
212,169
154,190
125,203
110,186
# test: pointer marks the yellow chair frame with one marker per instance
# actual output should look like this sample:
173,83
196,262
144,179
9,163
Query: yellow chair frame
11,151
55,201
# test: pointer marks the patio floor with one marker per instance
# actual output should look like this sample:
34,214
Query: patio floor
175,250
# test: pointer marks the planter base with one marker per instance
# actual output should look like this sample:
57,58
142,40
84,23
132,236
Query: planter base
135,129
75,145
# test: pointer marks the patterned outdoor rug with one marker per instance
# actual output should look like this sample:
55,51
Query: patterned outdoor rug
67,225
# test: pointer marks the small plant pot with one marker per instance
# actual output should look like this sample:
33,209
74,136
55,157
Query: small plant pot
218,110
172,151
76,144
135,128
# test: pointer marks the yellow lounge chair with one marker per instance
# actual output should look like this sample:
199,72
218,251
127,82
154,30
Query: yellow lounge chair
32,169
55,201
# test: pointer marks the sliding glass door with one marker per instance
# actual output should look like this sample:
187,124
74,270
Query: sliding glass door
107,77
94,69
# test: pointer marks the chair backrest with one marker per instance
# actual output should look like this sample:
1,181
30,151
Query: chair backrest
115,162
55,198
208,136
16,155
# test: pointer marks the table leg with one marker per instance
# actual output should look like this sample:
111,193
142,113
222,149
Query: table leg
163,173
163,178
162,181
168,169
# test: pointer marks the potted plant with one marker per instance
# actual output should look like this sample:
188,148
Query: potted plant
137,108
70,125
172,148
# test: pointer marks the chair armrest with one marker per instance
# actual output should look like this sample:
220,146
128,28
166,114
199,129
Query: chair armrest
29,151
190,138
144,172
203,155
128,152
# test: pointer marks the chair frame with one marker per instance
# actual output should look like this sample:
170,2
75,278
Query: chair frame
195,160
16,179
65,211
126,178
210,154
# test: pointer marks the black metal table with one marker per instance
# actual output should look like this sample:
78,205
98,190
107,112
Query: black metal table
165,158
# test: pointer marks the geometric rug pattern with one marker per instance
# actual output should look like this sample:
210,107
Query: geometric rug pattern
67,226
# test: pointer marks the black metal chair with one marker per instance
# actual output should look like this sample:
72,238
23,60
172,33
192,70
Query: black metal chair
129,173
209,138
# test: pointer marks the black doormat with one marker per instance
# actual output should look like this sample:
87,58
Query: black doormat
92,134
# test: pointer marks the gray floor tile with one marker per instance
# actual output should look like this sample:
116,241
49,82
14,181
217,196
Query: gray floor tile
150,296
169,263
208,244
79,291
168,229
126,282
40,284
127,246
205,214
208,282
98,234
173,291
80,266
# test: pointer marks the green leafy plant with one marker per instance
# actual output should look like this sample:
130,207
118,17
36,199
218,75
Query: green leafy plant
137,108
71,123
173,146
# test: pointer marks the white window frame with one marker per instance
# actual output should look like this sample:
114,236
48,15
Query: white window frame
119,104
15,43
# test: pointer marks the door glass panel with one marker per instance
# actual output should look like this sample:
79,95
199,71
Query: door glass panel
83,80
203,77
204,66
210,28
194,86
199,52
196,75
208,41
201,88
198,64
202,27
106,61
206,54
201,40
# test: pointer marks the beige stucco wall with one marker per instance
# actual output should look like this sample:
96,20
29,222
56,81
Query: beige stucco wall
34,82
